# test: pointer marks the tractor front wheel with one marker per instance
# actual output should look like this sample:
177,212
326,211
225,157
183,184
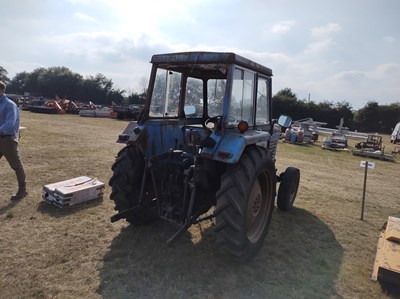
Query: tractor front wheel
245,203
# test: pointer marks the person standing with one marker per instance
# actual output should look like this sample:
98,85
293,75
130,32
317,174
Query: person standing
9,135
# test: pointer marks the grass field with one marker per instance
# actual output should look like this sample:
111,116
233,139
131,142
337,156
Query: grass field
319,249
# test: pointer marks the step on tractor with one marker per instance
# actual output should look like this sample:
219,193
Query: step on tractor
203,148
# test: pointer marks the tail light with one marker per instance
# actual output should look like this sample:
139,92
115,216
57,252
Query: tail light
243,126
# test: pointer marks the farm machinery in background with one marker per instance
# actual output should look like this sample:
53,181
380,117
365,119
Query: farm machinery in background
128,112
92,110
125,112
204,148
58,106
307,131
61,106
337,140
372,147
303,131
373,143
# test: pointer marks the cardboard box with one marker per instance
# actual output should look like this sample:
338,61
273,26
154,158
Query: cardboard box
73,191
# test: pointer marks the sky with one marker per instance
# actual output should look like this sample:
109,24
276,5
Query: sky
323,50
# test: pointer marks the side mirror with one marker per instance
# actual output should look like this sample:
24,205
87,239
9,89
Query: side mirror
189,110
284,121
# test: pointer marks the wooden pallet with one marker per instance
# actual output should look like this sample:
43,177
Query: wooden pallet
387,260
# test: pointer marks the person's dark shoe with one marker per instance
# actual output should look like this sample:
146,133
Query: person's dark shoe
19,195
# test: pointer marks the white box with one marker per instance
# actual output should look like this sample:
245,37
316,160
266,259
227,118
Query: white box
73,191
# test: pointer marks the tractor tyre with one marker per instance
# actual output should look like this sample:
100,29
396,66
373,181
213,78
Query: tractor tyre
126,181
245,203
288,187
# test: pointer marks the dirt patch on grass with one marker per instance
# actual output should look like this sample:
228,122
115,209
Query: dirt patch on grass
320,249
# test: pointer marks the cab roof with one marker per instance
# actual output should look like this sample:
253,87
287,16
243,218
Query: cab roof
191,58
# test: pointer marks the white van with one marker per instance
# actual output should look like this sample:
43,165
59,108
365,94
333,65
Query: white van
395,134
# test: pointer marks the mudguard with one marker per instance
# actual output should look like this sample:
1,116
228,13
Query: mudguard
230,146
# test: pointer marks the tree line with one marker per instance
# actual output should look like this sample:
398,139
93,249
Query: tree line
373,118
63,83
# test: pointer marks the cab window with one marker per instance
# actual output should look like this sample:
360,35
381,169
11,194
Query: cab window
241,107
165,97
262,113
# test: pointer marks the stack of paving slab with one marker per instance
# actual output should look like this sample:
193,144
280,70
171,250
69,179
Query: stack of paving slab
73,191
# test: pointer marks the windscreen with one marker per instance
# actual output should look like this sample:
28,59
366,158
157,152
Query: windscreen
204,92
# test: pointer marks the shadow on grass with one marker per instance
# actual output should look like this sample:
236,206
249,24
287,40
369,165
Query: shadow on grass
54,211
300,259
8,206
390,288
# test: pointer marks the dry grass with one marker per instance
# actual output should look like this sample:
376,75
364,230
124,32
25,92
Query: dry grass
320,249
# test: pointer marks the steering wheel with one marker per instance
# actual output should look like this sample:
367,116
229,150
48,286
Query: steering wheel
212,122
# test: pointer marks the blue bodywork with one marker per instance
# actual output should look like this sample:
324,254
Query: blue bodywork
159,136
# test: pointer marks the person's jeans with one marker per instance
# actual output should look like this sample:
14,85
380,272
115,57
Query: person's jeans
9,149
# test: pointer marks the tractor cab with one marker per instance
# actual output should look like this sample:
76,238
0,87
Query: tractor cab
195,98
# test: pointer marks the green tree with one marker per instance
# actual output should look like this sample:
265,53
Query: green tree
377,118
18,83
367,118
287,93
99,89
59,81
3,75
32,82
62,82
286,102
136,98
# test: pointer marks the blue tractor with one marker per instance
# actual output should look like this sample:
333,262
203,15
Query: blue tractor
204,148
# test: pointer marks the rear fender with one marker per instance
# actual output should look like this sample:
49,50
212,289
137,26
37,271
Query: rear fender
131,133
230,146
155,136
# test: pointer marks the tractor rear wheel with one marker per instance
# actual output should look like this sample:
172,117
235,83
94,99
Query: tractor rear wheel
128,170
288,188
245,203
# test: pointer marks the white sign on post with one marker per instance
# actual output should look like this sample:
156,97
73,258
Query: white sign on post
365,165
370,164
